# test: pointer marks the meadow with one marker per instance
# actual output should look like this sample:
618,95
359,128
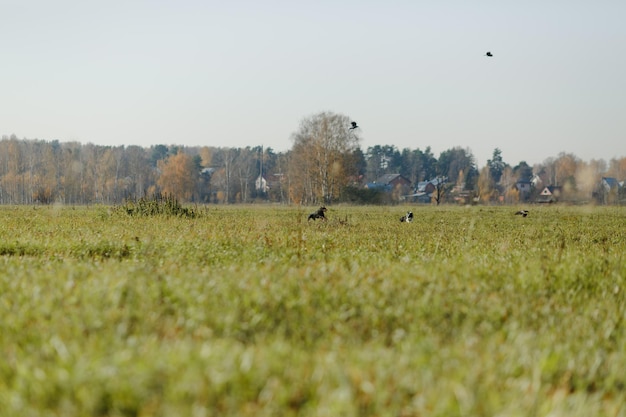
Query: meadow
253,311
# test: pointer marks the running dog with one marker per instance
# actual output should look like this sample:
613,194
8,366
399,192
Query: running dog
319,214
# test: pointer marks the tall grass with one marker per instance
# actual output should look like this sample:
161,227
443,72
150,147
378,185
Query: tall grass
253,311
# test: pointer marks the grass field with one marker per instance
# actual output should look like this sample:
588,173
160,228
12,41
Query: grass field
252,311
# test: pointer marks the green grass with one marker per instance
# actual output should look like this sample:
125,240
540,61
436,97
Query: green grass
253,311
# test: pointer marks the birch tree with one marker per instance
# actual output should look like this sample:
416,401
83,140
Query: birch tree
321,155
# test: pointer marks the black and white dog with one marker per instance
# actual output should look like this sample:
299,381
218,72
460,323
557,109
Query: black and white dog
408,217
522,213
319,214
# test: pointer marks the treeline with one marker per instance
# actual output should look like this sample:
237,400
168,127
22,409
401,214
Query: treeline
314,171
45,172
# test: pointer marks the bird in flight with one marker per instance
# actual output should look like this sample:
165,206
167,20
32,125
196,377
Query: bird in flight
522,213
488,54
354,126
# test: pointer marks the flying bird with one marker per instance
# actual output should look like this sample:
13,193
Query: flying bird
354,126
488,54
522,213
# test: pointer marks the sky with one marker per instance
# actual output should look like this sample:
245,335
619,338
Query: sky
412,73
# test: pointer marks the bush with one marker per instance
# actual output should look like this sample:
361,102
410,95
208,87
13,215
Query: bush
157,205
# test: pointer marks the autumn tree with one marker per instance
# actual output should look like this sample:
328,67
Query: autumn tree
207,156
486,185
507,186
588,176
321,157
299,178
179,175
617,168
511,195
566,166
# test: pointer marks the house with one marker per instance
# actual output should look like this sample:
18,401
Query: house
536,181
275,180
425,189
549,194
395,184
389,182
261,184
609,184
393,180
429,187
523,186
609,190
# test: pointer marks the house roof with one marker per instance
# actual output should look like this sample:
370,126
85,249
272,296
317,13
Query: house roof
610,182
389,178
550,189
536,180
421,186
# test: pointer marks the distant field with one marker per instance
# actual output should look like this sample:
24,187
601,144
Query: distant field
253,311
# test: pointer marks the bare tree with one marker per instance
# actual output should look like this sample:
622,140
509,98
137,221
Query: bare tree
138,173
224,177
441,189
321,156
245,170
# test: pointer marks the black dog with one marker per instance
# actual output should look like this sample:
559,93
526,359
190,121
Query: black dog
319,214
407,218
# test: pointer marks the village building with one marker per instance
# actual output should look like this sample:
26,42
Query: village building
395,184
389,182
549,194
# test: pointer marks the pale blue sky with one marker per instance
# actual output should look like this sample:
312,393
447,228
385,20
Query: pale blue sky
238,73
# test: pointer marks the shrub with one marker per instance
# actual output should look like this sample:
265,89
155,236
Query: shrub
158,205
